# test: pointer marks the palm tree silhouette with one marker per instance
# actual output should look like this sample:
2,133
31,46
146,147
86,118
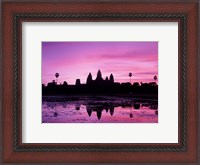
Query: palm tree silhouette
130,75
155,78
57,75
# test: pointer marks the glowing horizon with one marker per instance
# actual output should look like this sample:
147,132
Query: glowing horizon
75,60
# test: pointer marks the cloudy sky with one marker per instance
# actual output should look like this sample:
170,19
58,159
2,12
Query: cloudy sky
74,60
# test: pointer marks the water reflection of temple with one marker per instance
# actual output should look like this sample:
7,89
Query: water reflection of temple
99,109
108,107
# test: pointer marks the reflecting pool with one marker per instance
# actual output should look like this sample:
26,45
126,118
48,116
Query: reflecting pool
98,109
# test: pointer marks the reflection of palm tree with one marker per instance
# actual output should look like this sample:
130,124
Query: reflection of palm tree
55,114
57,75
130,75
156,112
77,106
131,114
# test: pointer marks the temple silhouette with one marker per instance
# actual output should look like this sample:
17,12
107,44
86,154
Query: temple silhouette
99,80
99,85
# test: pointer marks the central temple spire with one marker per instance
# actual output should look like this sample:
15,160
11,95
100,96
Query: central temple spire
99,75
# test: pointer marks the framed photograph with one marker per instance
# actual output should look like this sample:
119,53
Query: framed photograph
100,82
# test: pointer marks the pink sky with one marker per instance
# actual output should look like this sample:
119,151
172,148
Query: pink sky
73,60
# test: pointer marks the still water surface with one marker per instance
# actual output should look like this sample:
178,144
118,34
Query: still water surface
101,109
